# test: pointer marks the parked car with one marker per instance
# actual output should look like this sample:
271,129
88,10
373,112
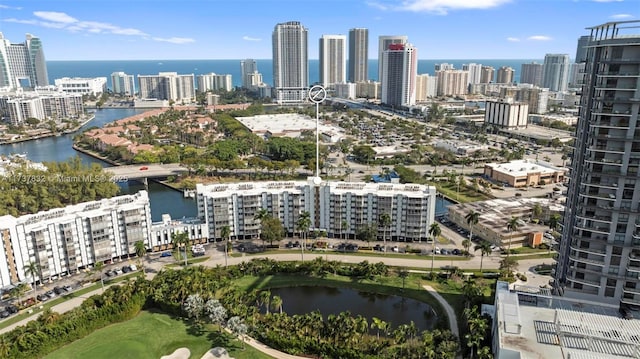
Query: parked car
165,254
42,297
456,252
12,309
51,294
67,288
118,271
133,267
126,269
58,290
4,314
378,248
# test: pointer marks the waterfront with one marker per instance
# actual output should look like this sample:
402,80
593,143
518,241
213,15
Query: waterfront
58,149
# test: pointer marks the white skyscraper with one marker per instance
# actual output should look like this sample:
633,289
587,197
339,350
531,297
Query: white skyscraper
358,55
214,82
167,86
123,84
399,75
426,87
22,65
475,70
383,45
290,62
555,72
248,69
333,60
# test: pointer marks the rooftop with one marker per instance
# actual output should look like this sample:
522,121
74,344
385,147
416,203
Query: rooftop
554,327
283,124
519,168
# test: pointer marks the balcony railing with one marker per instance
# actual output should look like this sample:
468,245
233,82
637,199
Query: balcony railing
587,260
599,252
585,281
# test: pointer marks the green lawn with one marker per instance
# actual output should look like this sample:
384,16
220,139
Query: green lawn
152,335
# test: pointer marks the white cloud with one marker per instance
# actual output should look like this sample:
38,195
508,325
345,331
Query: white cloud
10,7
249,38
442,7
607,0
175,40
55,17
61,20
513,39
621,16
539,38
377,5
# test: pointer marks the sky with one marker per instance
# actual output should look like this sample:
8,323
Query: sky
237,29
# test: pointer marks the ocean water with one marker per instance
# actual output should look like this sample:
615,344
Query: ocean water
59,69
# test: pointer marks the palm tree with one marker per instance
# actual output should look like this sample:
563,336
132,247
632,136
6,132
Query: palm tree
485,249
97,268
261,215
403,273
276,303
180,239
384,221
344,227
472,219
512,225
303,224
141,250
434,231
32,269
536,211
554,221
466,244
225,233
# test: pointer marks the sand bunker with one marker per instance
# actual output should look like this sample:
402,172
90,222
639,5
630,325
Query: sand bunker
180,353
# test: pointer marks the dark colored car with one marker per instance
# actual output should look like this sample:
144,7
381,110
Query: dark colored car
4,314
12,309
165,254
58,290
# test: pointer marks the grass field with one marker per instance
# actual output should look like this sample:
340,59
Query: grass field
152,335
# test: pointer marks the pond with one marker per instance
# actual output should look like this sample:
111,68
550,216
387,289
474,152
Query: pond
393,309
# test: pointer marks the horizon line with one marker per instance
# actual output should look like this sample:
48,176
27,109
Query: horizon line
269,59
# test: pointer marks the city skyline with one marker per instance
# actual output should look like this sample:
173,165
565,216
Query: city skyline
73,30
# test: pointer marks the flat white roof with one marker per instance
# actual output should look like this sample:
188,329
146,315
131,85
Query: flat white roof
520,168
279,124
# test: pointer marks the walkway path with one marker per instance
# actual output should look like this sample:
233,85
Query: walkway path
451,314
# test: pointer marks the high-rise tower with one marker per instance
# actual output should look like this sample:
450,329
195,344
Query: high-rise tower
290,62
22,65
358,55
505,75
581,50
248,67
555,72
383,45
599,254
531,74
399,75
333,60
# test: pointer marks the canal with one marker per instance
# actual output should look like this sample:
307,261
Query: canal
58,149
163,199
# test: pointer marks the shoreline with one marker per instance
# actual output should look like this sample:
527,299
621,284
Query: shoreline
49,134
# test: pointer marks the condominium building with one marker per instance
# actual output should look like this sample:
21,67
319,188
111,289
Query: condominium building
339,208
43,105
358,55
531,74
95,86
369,89
383,45
452,82
555,72
505,75
65,240
333,60
22,65
167,86
581,49
426,87
576,75
475,71
214,82
346,90
399,75
537,98
506,114
443,66
290,62
487,74
248,67
599,256
123,84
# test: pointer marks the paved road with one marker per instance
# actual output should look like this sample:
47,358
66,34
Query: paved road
451,314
